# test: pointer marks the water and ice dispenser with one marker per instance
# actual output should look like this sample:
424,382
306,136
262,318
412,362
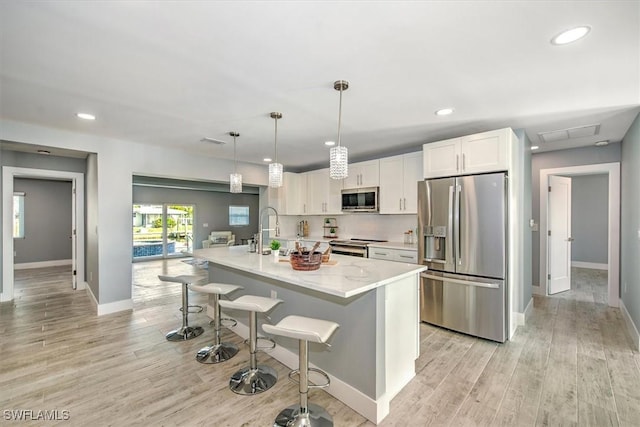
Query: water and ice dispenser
434,242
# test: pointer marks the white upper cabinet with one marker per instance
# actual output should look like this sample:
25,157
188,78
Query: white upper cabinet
399,176
290,198
483,152
323,193
363,174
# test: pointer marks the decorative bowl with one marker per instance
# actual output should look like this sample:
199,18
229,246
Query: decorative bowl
306,261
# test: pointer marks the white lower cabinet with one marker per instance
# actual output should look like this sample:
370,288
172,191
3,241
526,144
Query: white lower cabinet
393,254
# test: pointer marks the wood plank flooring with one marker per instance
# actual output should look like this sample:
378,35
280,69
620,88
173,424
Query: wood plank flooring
572,364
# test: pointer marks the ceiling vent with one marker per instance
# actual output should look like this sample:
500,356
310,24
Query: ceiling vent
569,133
213,141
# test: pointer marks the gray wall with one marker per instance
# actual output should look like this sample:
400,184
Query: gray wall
47,220
556,159
630,226
590,218
210,207
92,259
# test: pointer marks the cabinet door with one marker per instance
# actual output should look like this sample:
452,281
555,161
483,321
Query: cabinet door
484,152
380,253
441,158
353,180
391,185
333,204
412,167
370,173
317,187
293,193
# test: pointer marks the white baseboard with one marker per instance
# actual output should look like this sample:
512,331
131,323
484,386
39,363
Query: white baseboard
4,297
42,264
373,410
527,311
111,307
591,265
631,327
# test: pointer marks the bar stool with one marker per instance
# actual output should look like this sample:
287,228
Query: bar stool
218,351
185,332
255,378
304,329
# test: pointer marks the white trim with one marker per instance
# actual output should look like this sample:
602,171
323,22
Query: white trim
111,307
521,318
613,243
8,175
528,310
42,264
373,410
631,327
591,265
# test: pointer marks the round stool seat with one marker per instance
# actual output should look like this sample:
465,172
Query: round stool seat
303,328
251,303
214,288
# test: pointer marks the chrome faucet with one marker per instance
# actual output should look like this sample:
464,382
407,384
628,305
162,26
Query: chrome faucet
261,230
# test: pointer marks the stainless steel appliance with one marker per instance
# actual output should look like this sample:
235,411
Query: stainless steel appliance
353,247
462,229
360,199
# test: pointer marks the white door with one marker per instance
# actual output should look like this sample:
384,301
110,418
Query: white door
559,234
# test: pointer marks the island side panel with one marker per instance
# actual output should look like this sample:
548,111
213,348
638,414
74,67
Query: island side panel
352,354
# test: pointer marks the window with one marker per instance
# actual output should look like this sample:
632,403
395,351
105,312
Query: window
238,215
18,215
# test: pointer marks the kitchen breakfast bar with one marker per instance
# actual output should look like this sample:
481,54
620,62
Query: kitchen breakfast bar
372,355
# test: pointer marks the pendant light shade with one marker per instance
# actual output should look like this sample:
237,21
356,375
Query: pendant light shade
235,179
338,155
275,168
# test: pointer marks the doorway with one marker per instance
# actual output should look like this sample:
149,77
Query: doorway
612,170
77,220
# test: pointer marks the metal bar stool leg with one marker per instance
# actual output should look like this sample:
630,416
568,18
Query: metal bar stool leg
255,378
185,332
218,351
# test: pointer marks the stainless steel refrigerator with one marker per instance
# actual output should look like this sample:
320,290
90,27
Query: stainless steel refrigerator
462,229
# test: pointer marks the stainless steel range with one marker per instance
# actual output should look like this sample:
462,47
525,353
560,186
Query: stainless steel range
353,247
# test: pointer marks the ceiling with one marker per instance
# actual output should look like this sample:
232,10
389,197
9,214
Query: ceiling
171,73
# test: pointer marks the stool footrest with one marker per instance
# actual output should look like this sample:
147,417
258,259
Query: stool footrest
317,371
193,309
262,348
231,323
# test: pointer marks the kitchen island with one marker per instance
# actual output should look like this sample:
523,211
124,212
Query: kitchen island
372,355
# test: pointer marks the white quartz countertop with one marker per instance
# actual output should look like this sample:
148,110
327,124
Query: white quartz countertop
348,277
395,245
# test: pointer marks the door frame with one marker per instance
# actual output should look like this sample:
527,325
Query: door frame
613,235
8,175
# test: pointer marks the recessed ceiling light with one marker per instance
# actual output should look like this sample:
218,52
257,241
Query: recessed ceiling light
86,116
267,159
444,111
44,152
570,36
602,143
534,147
329,143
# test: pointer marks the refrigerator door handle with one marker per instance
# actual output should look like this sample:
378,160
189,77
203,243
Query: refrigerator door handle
449,241
457,226
460,282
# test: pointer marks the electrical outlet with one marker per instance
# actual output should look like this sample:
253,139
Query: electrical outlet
624,288
91,276
274,294
205,225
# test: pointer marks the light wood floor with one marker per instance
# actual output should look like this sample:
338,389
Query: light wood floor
572,364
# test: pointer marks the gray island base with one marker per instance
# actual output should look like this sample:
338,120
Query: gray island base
372,355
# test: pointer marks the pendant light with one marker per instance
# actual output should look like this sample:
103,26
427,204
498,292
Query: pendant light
275,168
338,155
235,179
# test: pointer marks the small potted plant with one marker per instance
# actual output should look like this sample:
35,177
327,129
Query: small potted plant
275,248
332,232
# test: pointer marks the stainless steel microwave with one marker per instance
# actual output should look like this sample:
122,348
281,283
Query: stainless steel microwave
360,199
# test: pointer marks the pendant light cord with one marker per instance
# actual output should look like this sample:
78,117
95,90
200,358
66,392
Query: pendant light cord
275,142
340,116
235,158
